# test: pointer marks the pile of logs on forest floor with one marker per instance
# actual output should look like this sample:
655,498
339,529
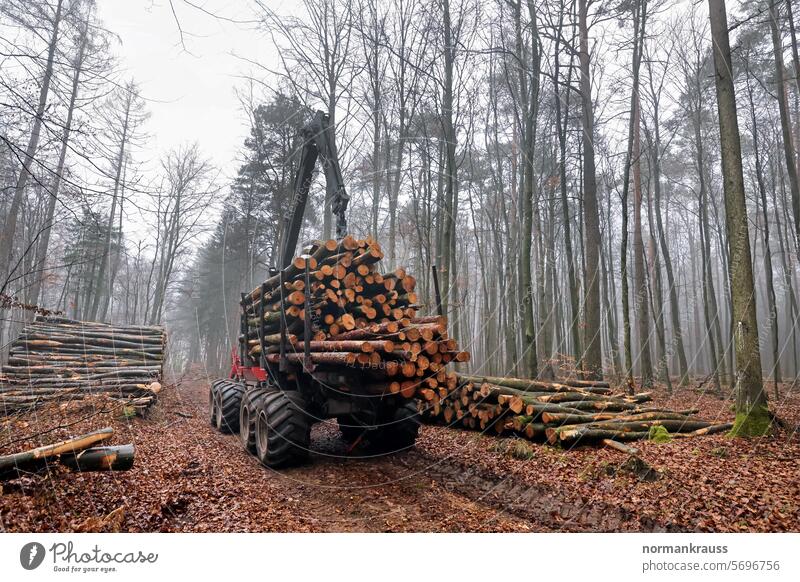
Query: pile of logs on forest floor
568,412
354,318
78,454
56,358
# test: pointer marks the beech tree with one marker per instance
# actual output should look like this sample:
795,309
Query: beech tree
752,415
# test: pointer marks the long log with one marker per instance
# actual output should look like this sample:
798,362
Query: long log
713,429
560,418
155,354
637,426
93,387
35,329
581,434
536,385
22,361
330,358
56,340
66,322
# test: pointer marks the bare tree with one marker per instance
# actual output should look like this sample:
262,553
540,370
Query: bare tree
7,246
180,212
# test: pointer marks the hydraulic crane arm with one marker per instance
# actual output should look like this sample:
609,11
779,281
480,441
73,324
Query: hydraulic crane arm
318,142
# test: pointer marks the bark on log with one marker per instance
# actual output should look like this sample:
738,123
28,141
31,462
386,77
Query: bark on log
114,458
612,444
536,385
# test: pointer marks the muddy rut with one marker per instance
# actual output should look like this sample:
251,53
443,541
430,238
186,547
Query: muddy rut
431,488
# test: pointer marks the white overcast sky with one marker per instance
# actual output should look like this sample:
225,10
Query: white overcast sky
190,92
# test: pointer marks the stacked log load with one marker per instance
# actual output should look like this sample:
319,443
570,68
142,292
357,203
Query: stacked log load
358,318
56,358
568,412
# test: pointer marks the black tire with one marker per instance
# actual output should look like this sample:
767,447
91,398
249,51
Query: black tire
400,431
213,401
247,417
229,399
283,429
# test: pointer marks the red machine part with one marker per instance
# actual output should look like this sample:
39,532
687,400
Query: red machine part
252,374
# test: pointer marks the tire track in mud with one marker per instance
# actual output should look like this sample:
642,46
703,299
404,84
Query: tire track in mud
413,490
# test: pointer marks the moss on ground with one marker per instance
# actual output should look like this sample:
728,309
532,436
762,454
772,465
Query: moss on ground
659,434
754,422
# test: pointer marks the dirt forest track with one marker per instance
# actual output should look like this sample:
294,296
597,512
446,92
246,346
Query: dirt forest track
188,477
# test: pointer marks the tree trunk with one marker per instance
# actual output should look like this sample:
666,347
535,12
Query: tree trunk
786,122
752,415
593,359
44,243
447,249
561,127
772,306
10,227
631,157
120,162
642,310
675,317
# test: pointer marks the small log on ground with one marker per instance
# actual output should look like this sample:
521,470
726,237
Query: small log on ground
113,458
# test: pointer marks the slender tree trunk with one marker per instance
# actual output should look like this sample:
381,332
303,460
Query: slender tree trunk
376,161
106,257
10,228
561,128
657,299
629,159
675,317
752,415
786,122
772,306
643,312
447,259
593,360
795,54
529,99
44,243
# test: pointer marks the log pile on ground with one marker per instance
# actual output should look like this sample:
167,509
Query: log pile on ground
78,454
568,412
354,317
57,358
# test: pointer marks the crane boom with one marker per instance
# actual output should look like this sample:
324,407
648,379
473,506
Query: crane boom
318,142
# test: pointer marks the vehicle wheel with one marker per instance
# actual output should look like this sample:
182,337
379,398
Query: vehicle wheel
400,432
213,401
247,417
283,430
228,400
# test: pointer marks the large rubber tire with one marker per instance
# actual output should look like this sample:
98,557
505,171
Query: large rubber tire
283,429
400,431
229,399
247,417
213,401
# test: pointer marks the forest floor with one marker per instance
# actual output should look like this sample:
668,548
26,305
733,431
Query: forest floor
188,477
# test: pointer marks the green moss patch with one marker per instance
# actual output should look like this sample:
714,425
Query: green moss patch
659,434
752,423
